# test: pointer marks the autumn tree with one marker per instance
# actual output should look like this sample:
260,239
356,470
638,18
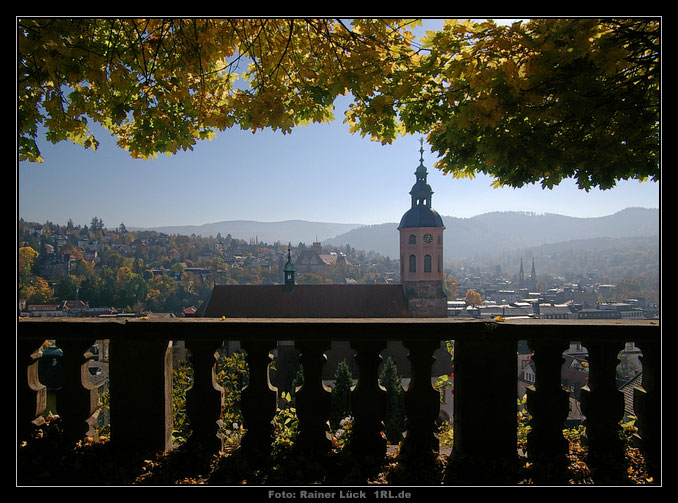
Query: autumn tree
160,85
534,102
27,258
36,290
473,298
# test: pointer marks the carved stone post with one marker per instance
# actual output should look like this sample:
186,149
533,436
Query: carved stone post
31,394
647,406
548,405
77,400
603,406
204,400
141,393
422,402
368,403
258,400
313,398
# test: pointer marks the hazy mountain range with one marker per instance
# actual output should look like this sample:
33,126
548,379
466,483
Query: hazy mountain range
464,237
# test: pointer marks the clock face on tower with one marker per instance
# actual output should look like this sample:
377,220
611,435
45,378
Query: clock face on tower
428,238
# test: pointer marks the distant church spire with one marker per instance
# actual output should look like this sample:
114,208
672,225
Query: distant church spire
289,270
531,281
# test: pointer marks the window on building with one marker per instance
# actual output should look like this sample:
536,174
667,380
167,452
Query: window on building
427,263
413,239
413,263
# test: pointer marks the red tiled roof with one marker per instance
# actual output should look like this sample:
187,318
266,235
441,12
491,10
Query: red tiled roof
306,301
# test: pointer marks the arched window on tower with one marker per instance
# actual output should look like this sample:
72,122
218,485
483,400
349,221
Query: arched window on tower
427,263
413,239
413,263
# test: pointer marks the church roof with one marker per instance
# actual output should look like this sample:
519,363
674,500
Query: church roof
306,301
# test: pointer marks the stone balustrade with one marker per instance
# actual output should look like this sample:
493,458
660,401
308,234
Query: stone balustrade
485,386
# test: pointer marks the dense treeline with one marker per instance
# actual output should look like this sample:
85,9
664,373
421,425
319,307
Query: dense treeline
114,268
148,270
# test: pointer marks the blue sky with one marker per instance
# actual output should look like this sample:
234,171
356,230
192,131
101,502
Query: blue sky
318,173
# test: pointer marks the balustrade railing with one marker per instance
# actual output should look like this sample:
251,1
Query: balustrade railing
485,386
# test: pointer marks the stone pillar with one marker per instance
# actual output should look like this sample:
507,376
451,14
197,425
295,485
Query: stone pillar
422,402
647,406
485,409
141,393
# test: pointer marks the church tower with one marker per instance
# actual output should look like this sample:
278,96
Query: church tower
421,251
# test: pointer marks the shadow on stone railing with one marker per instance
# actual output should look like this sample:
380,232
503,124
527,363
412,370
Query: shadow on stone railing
485,452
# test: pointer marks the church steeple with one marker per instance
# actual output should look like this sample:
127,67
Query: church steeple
421,191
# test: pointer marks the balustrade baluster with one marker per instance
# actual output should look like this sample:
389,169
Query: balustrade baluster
422,402
313,398
647,406
204,399
603,405
78,398
368,403
548,405
141,393
31,394
258,399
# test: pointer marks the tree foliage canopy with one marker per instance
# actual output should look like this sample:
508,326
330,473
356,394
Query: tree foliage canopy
536,101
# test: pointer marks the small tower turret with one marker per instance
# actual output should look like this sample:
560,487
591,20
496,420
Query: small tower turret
289,271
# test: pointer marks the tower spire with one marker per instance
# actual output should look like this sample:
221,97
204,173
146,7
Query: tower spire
421,191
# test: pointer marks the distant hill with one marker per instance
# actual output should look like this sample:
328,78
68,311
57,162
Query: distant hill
492,233
489,233
294,231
